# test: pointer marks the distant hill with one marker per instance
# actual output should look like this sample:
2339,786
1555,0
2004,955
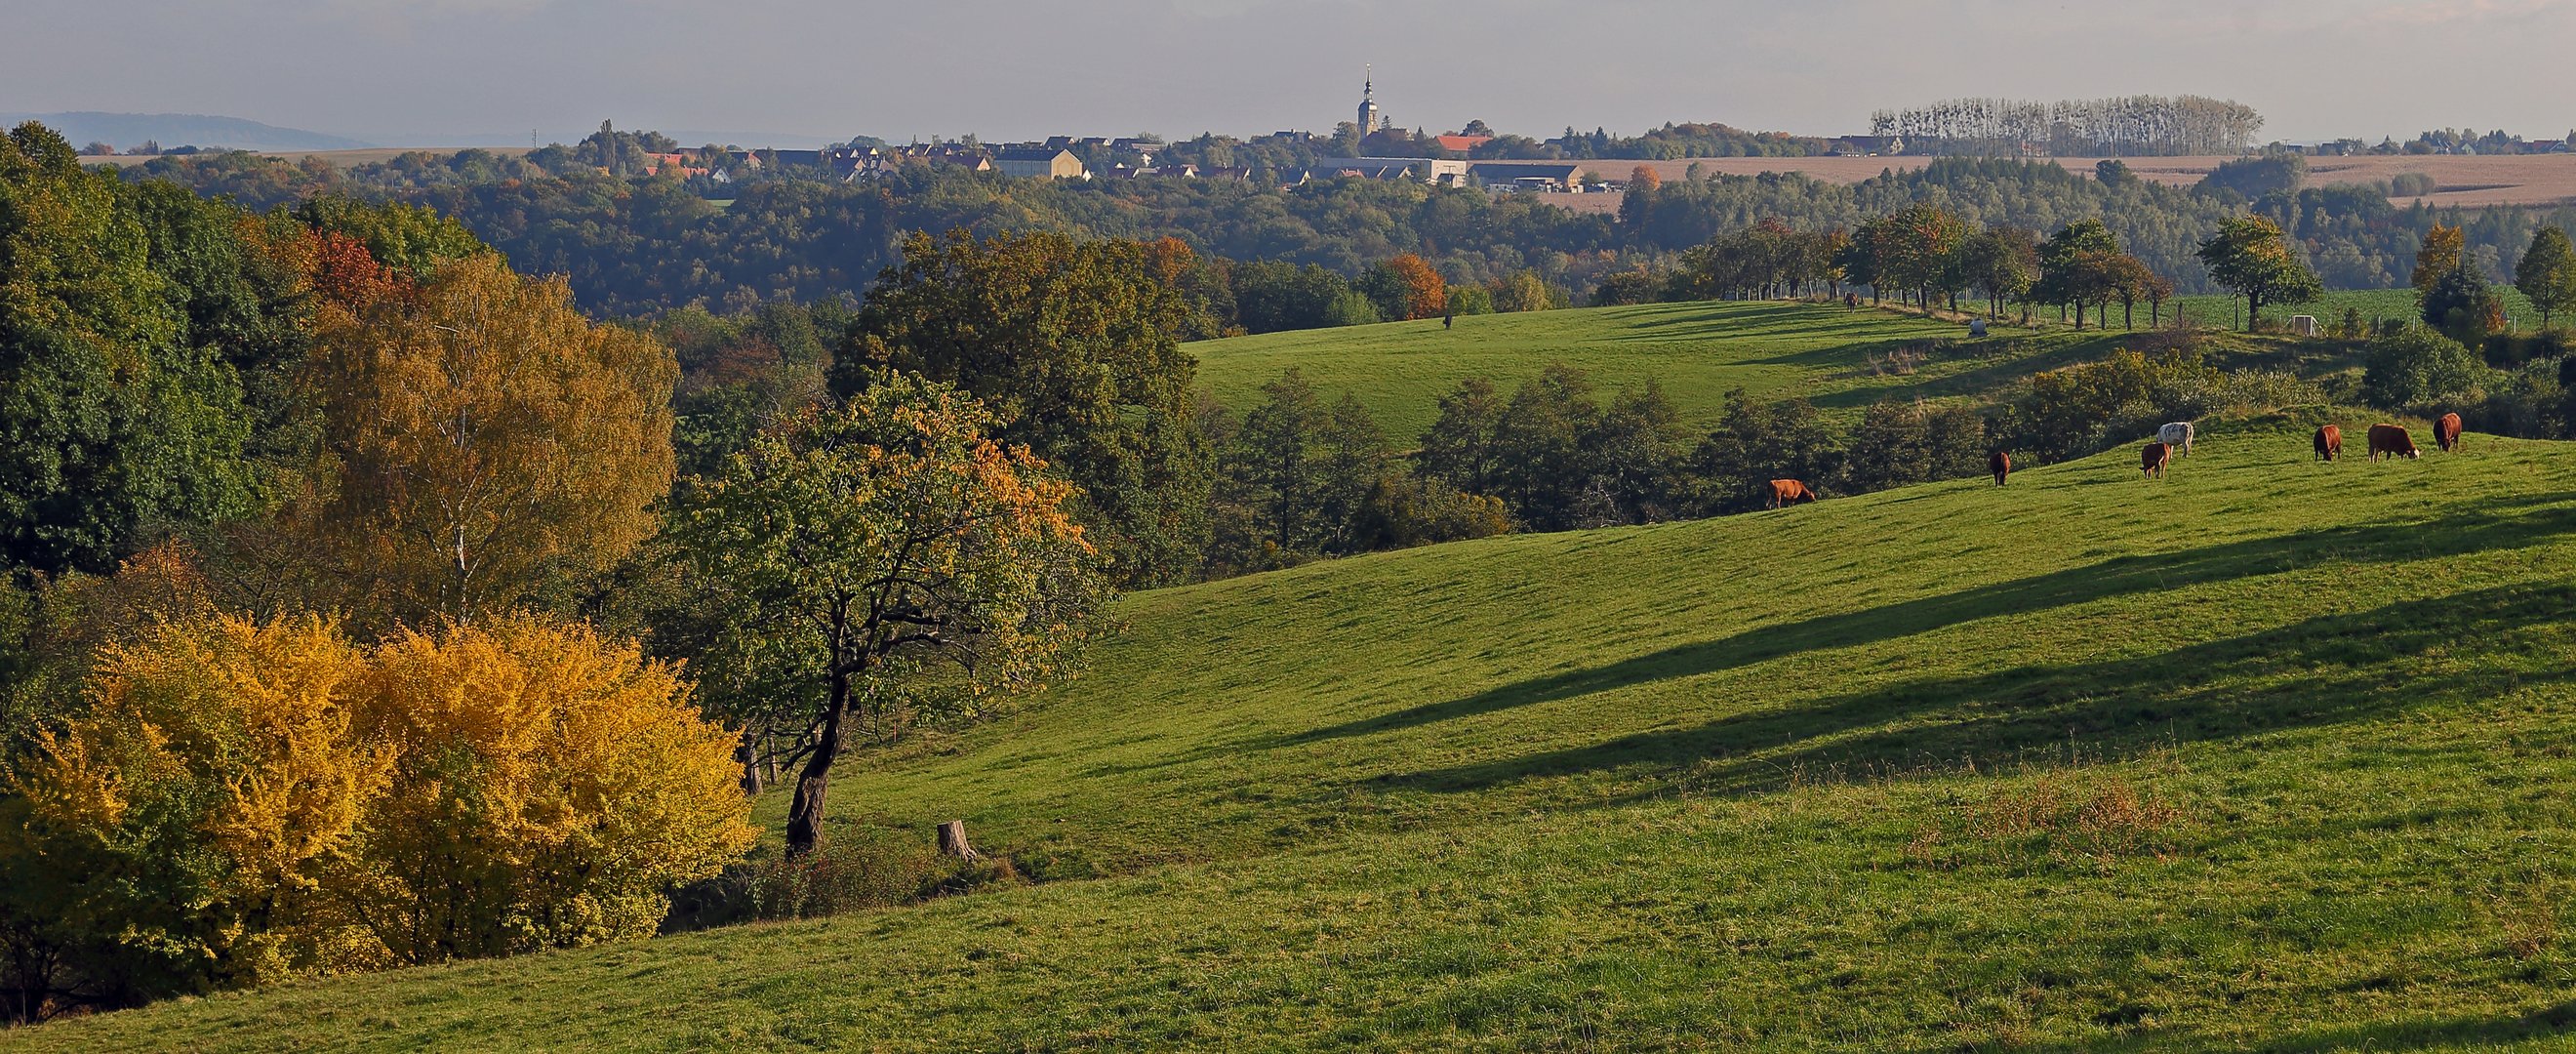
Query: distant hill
125,130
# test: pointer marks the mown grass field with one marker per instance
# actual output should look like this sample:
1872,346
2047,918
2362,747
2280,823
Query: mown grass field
1843,359
2267,755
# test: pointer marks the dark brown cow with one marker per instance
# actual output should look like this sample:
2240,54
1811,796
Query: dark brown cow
2392,441
2446,433
2000,464
2152,458
1788,492
2329,442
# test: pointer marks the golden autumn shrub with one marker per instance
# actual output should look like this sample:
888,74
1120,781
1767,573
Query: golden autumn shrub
550,787
188,819
244,800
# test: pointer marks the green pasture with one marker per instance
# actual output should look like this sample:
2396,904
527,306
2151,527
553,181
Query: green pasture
2267,755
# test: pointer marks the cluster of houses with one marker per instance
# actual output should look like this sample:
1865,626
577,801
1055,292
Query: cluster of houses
1057,158
1061,157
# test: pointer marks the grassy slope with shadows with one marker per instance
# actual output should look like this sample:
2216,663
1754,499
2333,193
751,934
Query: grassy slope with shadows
1698,351
2265,755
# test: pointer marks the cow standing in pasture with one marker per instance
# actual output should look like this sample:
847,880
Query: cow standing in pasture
2446,433
2152,458
2392,441
2000,464
2329,442
2176,435
1788,492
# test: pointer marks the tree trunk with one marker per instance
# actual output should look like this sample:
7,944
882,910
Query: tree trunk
749,755
2128,315
805,812
952,841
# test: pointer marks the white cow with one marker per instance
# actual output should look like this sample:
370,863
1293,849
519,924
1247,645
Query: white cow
2176,435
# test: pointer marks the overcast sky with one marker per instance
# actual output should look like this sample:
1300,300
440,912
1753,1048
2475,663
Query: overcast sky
410,71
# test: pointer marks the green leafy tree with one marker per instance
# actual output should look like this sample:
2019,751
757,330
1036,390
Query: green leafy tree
2069,265
123,418
876,559
1460,447
1273,466
2547,273
1756,442
414,240
1542,465
2001,262
2249,256
2463,305
1073,347
2417,365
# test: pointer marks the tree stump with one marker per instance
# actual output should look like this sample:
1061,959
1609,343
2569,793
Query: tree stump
952,841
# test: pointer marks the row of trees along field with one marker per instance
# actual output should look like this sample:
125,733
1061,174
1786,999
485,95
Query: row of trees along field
1926,256
633,246
2132,126
348,574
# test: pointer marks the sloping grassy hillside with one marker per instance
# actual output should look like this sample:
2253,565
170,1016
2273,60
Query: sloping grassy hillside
2269,754
1841,358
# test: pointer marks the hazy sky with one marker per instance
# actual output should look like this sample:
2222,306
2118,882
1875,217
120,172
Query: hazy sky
416,69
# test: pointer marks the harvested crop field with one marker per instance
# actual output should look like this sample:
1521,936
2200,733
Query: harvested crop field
2467,181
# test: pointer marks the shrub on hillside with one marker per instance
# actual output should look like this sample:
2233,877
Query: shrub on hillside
2464,305
2417,366
2085,409
1633,286
243,801
1898,443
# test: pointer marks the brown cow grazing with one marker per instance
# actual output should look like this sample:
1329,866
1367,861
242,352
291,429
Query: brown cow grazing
2000,464
2392,441
2446,433
2152,458
1788,492
2329,442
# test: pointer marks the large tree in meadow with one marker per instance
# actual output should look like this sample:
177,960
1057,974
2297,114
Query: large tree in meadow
491,443
878,557
2072,265
2547,273
2000,262
2249,256
1073,346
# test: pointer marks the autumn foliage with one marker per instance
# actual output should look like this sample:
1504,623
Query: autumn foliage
246,800
490,442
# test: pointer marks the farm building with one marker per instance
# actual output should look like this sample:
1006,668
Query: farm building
1040,162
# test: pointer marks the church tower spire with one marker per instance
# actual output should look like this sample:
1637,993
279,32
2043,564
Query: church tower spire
1370,116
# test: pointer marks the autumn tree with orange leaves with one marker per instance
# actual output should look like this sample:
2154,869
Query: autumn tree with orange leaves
878,560
1406,288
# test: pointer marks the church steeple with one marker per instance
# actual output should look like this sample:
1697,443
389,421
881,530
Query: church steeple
1370,116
